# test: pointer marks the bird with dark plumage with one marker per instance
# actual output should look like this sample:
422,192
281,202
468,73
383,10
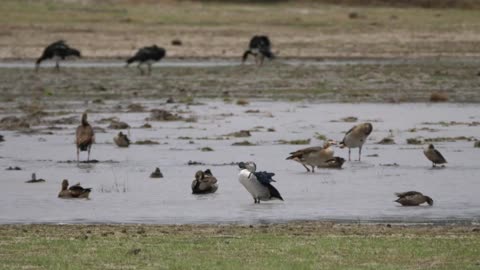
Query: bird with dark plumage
334,163
75,191
356,137
204,182
57,51
259,47
147,56
434,155
85,137
121,140
412,198
258,184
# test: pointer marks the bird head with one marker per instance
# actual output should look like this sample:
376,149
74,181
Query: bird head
429,200
64,184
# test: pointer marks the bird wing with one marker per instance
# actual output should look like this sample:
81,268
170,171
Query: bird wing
408,193
305,151
440,156
274,193
265,178
85,135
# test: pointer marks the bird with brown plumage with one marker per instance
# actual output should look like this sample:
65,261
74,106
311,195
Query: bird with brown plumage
85,137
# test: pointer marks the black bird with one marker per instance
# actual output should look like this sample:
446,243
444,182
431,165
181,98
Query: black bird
147,55
260,47
57,51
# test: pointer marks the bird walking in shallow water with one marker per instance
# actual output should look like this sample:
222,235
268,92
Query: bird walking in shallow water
147,56
314,156
356,138
57,51
434,155
75,191
412,198
204,182
259,47
85,137
121,140
258,184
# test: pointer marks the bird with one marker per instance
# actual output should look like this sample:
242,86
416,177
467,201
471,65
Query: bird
314,156
434,155
147,55
204,182
259,47
356,137
75,191
85,137
58,50
156,174
35,180
412,198
121,140
258,184
334,163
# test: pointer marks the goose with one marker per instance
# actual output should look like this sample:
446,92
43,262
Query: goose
121,140
334,163
58,50
356,137
258,184
314,156
147,55
434,155
85,137
156,174
259,47
34,179
75,191
412,198
204,182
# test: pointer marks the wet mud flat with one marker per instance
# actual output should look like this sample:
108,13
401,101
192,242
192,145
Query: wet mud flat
208,134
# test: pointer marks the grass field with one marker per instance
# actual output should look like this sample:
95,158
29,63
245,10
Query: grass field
283,246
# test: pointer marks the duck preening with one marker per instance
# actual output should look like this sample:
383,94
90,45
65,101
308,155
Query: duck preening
75,191
434,155
35,180
147,56
204,182
258,184
121,140
259,47
156,174
412,198
85,137
314,156
57,51
356,137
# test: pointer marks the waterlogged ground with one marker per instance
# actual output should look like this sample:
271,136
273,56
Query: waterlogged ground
124,193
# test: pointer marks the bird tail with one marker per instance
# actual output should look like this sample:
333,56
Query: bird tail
74,52
131,60
245,55
274,192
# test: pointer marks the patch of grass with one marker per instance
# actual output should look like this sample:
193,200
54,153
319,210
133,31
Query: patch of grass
146,142
439,97
476,144
206,149
320,137
449,139
295,142
242,102
415,141
387,140
243,143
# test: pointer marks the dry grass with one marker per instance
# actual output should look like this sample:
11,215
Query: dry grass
439,97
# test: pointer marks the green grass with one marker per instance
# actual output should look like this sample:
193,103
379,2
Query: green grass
291,246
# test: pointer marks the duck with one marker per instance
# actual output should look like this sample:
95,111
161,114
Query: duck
412,198
35,180
259,47
434,155
334,163
85,137
356,138
258,184
147,55
121,140
58,50
75,191
314,156
204,182
156,174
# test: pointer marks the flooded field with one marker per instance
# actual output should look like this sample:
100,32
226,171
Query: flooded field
124,193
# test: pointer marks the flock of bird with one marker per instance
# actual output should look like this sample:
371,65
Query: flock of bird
257,183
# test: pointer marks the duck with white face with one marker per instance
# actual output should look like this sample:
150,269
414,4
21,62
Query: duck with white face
356,138
258,184
434,155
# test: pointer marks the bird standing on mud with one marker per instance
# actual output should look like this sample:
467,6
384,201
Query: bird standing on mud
204,182
121,140
434,155
57,51
314,156
356,137
258,184
259,47
412,198
75,191
85,137
147,55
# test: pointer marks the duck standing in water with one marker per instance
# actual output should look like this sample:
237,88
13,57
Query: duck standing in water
57,51
204,183
85,137
147,55
258,184
434,155
259,47
75,191
314,156
356,137
412,198
121,140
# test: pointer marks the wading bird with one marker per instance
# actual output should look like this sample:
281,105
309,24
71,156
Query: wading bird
258,184
314,156
412,198
204,182
434,155
259,47
75,191
85,137
57,51
356,137
147,56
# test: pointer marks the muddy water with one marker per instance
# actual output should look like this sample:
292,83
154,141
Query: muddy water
361,191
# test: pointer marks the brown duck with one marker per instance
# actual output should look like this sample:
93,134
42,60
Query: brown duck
314,156
434,155
85,137
204,182
121,140
75,191
413,198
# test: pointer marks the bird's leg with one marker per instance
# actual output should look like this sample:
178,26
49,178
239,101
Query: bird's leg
140,68
308,170
313,169
349,154
149,69
57,66
261,59
88,158
359,153
78,155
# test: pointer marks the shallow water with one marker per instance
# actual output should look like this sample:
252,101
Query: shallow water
361,191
